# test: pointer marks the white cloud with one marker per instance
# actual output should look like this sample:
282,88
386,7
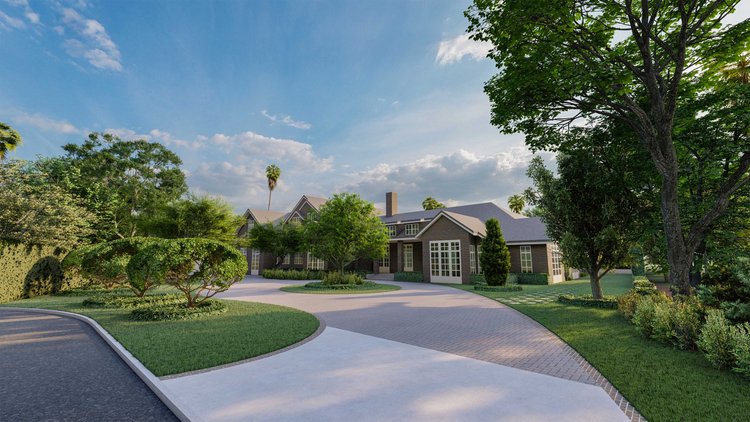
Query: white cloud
93,42
251,145
8,22
454,49
28,12
456,178
44,123
156,135
287,120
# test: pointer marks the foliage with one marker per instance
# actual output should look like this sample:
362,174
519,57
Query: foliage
317,287
716,340
741,339
277,239
34,212
273,172
608,302
587,209
495,257
129,301
479,279
413,276
345,229
199,268
431,203
337,278
194,216
643,285
645,313
106,264
628,303
130,180
728,286
530,278
281,274
516,203
178,311
9,140
655,68
32,270
510,288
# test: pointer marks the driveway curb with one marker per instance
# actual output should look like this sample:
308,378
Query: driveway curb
180,409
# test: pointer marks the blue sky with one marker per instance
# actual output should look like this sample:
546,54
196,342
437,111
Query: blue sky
362,96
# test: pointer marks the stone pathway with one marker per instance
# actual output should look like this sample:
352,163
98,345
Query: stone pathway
58,369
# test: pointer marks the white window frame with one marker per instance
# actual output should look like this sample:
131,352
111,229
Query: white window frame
385,262
287,259
314,263
556,260
298,259
408,257
411,229
445,261
473,259
527,263
392,230
255,262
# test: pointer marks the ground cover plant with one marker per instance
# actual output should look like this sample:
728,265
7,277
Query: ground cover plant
279,274
243,331
335,282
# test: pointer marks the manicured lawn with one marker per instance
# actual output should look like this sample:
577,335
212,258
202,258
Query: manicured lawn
378,288
663,383
246,330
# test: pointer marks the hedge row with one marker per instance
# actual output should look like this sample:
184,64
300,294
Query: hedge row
33,270
408,276
607,302
528,278
509,288
281,274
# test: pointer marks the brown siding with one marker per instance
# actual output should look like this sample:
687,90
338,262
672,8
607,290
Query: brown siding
515,258
540,259
444,229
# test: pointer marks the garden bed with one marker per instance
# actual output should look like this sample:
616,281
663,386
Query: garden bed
343,289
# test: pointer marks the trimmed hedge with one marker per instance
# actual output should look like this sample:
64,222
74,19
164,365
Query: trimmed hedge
322,286
608,302
179,311
33,270
281,274
479,279
408,276
529,278
510,288
130,301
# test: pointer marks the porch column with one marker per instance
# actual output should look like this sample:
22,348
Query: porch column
399,256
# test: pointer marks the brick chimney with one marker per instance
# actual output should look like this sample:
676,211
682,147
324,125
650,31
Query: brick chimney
391,204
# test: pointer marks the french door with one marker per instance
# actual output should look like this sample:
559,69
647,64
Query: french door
445,261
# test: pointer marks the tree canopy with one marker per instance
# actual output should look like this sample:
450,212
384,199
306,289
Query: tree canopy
194,216
277,239
9,140
516,203
431,203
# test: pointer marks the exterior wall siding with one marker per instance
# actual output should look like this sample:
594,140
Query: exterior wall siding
445,229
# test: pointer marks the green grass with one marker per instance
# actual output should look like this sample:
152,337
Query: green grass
245,330
378,288
663,383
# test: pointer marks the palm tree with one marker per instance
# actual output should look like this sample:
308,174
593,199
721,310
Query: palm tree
516,203
9,140
273,172
738,72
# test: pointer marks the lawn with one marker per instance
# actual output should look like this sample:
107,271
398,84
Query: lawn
246,330
663,383
378,288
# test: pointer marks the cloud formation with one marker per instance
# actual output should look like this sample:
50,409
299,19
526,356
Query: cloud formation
92,41
453,50
9,22
286,120
44,123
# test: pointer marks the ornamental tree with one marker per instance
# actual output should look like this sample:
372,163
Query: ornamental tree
495,257
107,264
345,229
199,268
568,63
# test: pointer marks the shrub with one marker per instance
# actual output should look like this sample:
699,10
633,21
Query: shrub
281,274
628,302
607,302
322,286
531,278
129,301
337,278
106,264
178,311
645,312
728,287
643,285
716,340
199,268
687,315
495,257
507,288
478,279
408,276
741,339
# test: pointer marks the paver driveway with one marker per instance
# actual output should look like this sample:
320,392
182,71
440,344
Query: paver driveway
58,369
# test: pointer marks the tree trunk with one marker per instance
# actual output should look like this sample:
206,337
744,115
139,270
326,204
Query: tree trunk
596,286
679,257
269,199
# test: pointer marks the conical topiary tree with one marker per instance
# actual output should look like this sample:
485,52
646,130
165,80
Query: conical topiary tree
495,258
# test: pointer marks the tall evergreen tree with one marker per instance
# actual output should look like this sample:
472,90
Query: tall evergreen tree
495,258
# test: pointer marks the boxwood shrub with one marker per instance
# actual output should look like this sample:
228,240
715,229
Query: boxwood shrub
282,274
178,311
408,276
323,286
608,302
130,301
530,278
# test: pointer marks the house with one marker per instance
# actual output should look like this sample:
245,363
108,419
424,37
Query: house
443,244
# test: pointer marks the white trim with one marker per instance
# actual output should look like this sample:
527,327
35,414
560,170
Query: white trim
458,223
295,209
522,243
410,255
445,278
255,261
521,260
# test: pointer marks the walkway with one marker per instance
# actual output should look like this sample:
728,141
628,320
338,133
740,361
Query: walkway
425,352
58,369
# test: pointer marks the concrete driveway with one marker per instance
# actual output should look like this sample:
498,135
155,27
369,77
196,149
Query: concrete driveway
425,352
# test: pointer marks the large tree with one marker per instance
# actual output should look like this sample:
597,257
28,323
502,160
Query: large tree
195,216
588,208
279,240
139,175
495,257
345,229
566,62
9,140
431,203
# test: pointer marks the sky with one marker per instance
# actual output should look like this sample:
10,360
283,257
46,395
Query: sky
344,96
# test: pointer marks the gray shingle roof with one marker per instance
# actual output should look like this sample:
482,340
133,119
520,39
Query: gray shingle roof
516,228
264,216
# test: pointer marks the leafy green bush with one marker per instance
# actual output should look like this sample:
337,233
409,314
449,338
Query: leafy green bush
531,278
506,288
178,311
337,278
741,340
628,303
728,287
106,263
322,286
716,340
408,276
677,322
645,313
281,274
643,285
199,268
478,279
129,301
607,302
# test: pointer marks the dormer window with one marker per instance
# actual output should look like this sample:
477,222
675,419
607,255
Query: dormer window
391,231
412,229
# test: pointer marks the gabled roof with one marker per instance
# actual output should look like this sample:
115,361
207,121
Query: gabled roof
471,224
263,216
314,201
516,228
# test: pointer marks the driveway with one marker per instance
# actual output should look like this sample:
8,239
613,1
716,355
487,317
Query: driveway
425,352
58,369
